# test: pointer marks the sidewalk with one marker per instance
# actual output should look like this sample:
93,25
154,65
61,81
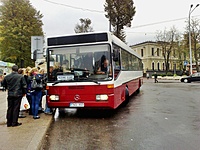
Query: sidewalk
27,136
168,77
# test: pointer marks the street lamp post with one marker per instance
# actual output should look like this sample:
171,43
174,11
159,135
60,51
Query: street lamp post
190,47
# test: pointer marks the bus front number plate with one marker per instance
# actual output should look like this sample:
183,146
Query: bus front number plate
76,105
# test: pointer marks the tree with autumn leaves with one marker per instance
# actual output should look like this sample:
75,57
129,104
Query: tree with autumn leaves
120,13
18,22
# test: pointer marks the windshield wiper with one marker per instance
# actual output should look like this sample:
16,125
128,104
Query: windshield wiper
90,80
95,81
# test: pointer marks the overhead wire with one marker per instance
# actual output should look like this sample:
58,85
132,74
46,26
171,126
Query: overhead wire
160,22
74,7
97,11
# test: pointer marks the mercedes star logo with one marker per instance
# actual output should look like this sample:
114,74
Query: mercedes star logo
76,97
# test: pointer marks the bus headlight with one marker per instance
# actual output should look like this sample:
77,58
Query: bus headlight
102,97
54,98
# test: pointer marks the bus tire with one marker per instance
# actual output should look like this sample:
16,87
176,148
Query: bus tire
61,111
127,99
138,91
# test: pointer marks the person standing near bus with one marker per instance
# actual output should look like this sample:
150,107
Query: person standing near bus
1,80
6,71
16,85
36,93
28,89
22,72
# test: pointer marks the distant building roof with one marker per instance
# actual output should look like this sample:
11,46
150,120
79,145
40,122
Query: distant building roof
146,42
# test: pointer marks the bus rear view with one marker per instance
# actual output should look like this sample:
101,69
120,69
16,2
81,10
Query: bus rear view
80,72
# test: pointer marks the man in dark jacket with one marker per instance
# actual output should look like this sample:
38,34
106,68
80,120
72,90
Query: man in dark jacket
16,85
155,77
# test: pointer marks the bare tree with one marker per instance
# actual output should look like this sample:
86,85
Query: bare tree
84,26
195,37
168,41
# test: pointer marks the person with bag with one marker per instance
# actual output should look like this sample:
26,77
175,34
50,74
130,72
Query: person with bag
21,114
28,90
16,85
36,91
24,105
42,76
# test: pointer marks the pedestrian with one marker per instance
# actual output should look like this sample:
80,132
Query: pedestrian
28,90
41,74
147,75
1,80
47,109
16,85
36,92
155,77
21,114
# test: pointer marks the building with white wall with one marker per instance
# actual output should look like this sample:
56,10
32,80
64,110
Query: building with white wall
152,57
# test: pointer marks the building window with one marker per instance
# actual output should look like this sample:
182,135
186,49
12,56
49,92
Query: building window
158,66
163,66
152,51
158,53
142,53
152,65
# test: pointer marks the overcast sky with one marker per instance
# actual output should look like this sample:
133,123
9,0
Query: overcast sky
61,18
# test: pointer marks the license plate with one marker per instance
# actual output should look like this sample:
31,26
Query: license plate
76,105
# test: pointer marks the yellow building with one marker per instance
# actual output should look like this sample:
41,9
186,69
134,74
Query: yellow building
152,57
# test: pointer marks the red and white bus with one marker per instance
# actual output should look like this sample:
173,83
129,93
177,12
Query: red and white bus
74,77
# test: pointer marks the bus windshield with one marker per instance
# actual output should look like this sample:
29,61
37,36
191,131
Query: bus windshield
80,63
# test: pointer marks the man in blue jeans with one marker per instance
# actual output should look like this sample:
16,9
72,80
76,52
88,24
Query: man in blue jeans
16,85
36,92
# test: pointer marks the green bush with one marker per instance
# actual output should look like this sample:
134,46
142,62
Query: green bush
169,74
163,75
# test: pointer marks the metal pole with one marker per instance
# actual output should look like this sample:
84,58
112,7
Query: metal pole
190,42
190,47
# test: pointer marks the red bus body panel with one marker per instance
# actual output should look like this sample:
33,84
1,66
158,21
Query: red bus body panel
87,94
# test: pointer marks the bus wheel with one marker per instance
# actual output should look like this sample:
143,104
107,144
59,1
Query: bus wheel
138,91
126,97
61,111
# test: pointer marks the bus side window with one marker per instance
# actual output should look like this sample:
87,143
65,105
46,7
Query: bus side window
116,60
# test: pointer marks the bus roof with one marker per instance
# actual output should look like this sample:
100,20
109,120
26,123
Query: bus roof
89,37
123,45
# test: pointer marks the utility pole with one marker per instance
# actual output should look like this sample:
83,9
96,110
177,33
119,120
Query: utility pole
190,47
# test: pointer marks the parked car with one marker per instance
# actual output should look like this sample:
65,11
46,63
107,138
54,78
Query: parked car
192,78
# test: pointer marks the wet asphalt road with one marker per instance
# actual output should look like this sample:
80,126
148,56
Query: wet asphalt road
163,116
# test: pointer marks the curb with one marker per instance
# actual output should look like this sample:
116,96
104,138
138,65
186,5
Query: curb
41,140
